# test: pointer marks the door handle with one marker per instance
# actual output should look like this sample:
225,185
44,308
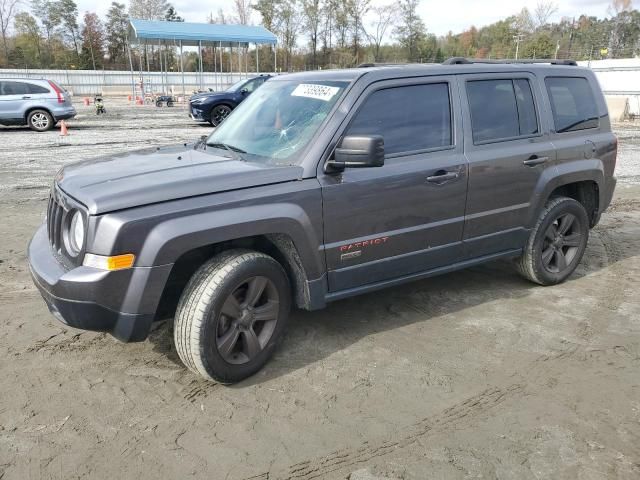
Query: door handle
26,97
442,176
534,160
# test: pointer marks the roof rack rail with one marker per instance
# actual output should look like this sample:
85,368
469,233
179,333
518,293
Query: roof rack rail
373,64
469,61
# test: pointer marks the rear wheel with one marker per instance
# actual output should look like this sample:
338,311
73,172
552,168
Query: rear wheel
219,113
232,315
40,120
557,242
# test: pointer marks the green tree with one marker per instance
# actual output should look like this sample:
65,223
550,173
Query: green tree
47,13
539,46
8,10
410,30
311,10
117,26
28,38
68,14
92,42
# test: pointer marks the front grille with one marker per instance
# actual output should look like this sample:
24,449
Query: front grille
55,214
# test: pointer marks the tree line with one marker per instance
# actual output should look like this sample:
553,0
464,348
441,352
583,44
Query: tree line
311,34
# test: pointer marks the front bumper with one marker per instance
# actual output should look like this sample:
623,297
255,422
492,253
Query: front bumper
122,302
197,114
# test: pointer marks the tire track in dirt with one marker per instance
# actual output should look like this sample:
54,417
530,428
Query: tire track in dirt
462,412
366,451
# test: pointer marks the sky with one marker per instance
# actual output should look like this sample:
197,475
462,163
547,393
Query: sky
440,16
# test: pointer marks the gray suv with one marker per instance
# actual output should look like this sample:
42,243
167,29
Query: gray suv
40,104
324,185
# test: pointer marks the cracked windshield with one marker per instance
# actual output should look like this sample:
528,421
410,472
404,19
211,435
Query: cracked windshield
277,121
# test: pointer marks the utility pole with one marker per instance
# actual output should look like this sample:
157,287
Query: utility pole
518,38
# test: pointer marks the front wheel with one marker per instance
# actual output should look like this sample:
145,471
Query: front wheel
219,113
557,242
232,315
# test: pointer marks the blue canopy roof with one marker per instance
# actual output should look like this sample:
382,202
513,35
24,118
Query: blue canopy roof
192,33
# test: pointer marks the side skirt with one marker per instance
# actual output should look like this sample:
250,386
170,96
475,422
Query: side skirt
350,292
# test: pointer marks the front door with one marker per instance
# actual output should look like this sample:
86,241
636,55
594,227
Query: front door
382,223
13,96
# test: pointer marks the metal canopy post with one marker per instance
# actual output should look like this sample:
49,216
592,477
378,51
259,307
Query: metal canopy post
275,58
230,64
221,66
200,60
160,63
182,72
215,66
133,79
257,58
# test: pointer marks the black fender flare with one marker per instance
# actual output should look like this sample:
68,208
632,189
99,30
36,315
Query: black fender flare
169,239
565,174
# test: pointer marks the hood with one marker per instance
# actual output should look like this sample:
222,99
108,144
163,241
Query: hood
156,175
208,95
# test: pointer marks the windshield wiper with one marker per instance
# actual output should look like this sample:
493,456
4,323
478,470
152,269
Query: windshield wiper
235,151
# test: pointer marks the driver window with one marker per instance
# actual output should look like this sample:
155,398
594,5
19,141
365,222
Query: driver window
410,118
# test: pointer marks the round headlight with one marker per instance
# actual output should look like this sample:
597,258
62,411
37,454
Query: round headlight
76,232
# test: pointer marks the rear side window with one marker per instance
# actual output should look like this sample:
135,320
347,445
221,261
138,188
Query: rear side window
411,118
572,103
501,109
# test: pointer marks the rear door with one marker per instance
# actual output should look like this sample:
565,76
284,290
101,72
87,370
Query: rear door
508,148
407,216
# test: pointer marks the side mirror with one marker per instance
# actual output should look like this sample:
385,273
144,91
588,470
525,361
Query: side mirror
358,151
244,91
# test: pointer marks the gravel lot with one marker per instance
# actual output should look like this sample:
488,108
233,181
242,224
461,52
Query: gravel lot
473,374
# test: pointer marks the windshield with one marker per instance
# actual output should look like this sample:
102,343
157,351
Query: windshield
277,120
236,86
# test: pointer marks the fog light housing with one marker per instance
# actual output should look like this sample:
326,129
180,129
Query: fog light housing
116,262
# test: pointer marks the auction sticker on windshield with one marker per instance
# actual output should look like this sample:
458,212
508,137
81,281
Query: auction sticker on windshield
319,92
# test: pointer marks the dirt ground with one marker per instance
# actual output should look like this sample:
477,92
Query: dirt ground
476,374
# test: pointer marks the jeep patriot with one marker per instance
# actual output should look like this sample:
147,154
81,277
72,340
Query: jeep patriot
324,185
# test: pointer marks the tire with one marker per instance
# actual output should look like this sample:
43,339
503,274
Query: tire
218,318
40,120
158,103
556,243
219,113
169,103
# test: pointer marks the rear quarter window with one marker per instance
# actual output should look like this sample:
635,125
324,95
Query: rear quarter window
572,103
31,88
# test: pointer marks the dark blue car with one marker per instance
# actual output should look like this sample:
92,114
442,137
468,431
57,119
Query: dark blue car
213,107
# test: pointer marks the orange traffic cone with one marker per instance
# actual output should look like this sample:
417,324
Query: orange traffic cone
64,131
